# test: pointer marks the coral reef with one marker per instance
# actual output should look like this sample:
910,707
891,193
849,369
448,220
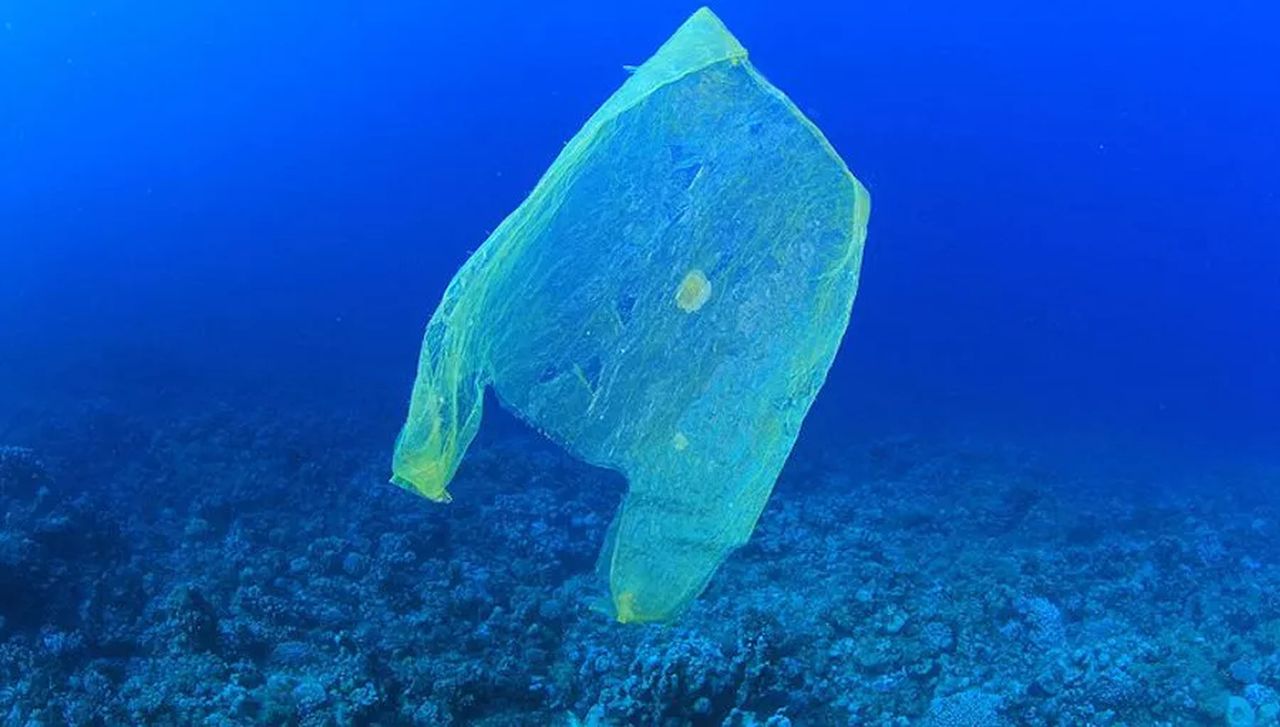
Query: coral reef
236,568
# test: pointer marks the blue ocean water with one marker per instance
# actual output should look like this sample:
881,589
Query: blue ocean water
1039,487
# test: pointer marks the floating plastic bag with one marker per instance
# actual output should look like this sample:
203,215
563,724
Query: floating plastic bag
666,303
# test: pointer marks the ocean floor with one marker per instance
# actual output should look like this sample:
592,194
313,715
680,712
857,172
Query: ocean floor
242,568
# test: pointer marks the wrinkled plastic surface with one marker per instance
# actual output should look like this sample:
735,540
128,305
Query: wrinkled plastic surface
666,303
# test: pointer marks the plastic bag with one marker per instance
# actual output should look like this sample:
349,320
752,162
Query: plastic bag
666,303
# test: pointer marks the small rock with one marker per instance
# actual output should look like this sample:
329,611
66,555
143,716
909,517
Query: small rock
1240,712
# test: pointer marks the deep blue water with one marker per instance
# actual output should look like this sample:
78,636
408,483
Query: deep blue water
1075,216
1074,246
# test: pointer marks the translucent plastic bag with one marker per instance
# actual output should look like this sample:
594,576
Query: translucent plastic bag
666,303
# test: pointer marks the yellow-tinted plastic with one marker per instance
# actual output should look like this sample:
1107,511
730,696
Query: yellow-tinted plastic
666,303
